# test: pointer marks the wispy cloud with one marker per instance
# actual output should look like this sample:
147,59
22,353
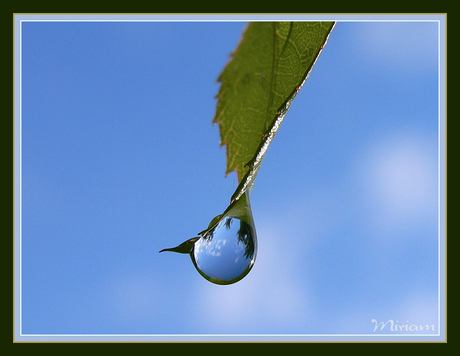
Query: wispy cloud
410,46
399,172
270,299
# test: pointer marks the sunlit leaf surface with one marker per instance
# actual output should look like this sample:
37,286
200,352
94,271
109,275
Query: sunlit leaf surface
267,69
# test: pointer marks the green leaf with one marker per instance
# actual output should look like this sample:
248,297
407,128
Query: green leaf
265,73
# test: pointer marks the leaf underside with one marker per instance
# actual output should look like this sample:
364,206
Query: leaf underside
267,69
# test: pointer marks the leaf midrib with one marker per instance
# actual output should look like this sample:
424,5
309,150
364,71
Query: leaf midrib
273,79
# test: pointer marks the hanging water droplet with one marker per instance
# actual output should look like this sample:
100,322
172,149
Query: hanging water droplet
226,250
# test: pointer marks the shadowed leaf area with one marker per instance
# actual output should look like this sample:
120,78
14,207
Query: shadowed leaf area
269,66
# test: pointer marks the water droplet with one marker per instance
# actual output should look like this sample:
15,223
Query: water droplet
226,251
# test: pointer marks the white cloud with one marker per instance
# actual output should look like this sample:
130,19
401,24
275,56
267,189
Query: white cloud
401,174
270,299
408,45
417,308
420,308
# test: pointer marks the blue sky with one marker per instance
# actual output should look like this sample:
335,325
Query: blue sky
120,160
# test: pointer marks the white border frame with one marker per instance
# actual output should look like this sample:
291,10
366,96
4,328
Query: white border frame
18,336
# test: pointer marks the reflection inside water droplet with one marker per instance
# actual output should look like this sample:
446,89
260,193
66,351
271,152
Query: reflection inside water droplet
226,253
